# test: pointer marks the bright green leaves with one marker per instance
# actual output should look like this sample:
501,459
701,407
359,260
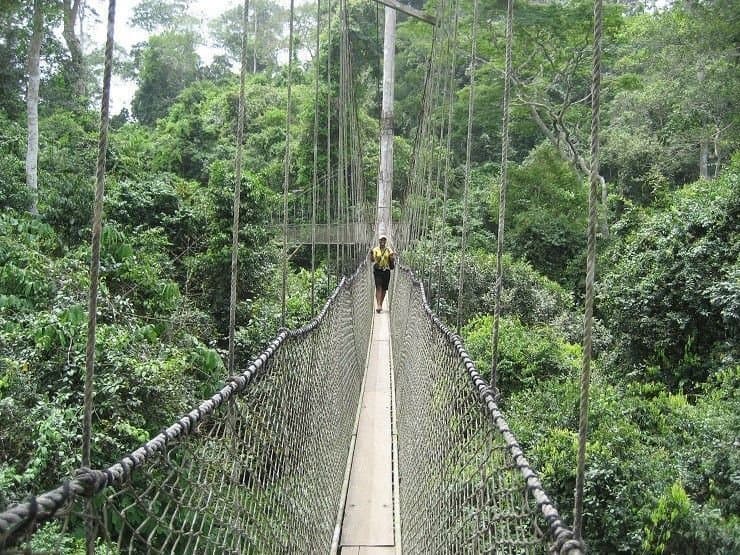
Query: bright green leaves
527,353
669,291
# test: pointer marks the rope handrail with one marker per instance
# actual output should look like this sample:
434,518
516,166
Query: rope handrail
563,538
18,520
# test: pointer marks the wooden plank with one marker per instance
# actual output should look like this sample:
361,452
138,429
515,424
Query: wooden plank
368,515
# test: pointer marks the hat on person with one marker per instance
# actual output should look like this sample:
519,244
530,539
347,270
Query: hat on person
382,236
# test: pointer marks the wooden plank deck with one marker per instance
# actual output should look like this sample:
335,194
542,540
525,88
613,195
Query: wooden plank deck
369,523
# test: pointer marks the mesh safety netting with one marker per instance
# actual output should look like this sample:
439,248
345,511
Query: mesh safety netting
257,468
465,485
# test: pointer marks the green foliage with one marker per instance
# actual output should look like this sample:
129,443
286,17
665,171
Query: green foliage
642,439
268,18
13,190
676,94
25,247
672,512
670,291
546,215
167,64
527,354
527,295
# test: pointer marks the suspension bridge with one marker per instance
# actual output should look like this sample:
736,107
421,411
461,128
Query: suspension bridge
359,433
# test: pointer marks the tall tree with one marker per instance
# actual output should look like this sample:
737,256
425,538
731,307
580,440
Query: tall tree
163,15
265,40
167,64
676,115
552,62
14,39
71,15
32,103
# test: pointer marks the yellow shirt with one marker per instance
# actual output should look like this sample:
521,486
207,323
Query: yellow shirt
382,257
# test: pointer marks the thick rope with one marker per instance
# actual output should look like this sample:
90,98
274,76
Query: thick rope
466,188
237,189
502,193
593,200
97,230
286,179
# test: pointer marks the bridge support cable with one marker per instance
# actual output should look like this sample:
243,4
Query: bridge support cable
256,468
593,199
97,231
287,165
466,485
385,174
315,173
327,184
503,185
466,186
237,188
448,105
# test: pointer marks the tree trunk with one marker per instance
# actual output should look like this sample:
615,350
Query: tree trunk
254,42
32,104
385,175
569,152
704,159
71,12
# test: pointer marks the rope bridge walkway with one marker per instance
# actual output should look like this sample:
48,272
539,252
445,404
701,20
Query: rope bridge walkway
261,466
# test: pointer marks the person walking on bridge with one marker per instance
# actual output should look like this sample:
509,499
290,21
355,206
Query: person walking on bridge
383,259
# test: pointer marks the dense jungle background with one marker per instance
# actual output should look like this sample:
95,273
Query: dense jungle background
665,399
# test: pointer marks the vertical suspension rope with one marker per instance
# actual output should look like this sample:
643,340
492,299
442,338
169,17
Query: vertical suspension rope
452,42
315,184
328,144
97,231
471,101
343,183
237,189
593,199
286,180
502,194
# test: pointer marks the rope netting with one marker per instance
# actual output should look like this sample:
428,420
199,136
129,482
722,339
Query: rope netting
465,485
257,468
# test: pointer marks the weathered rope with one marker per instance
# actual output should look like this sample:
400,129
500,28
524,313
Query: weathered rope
502,193
590,270
97,230
237,189
452,48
